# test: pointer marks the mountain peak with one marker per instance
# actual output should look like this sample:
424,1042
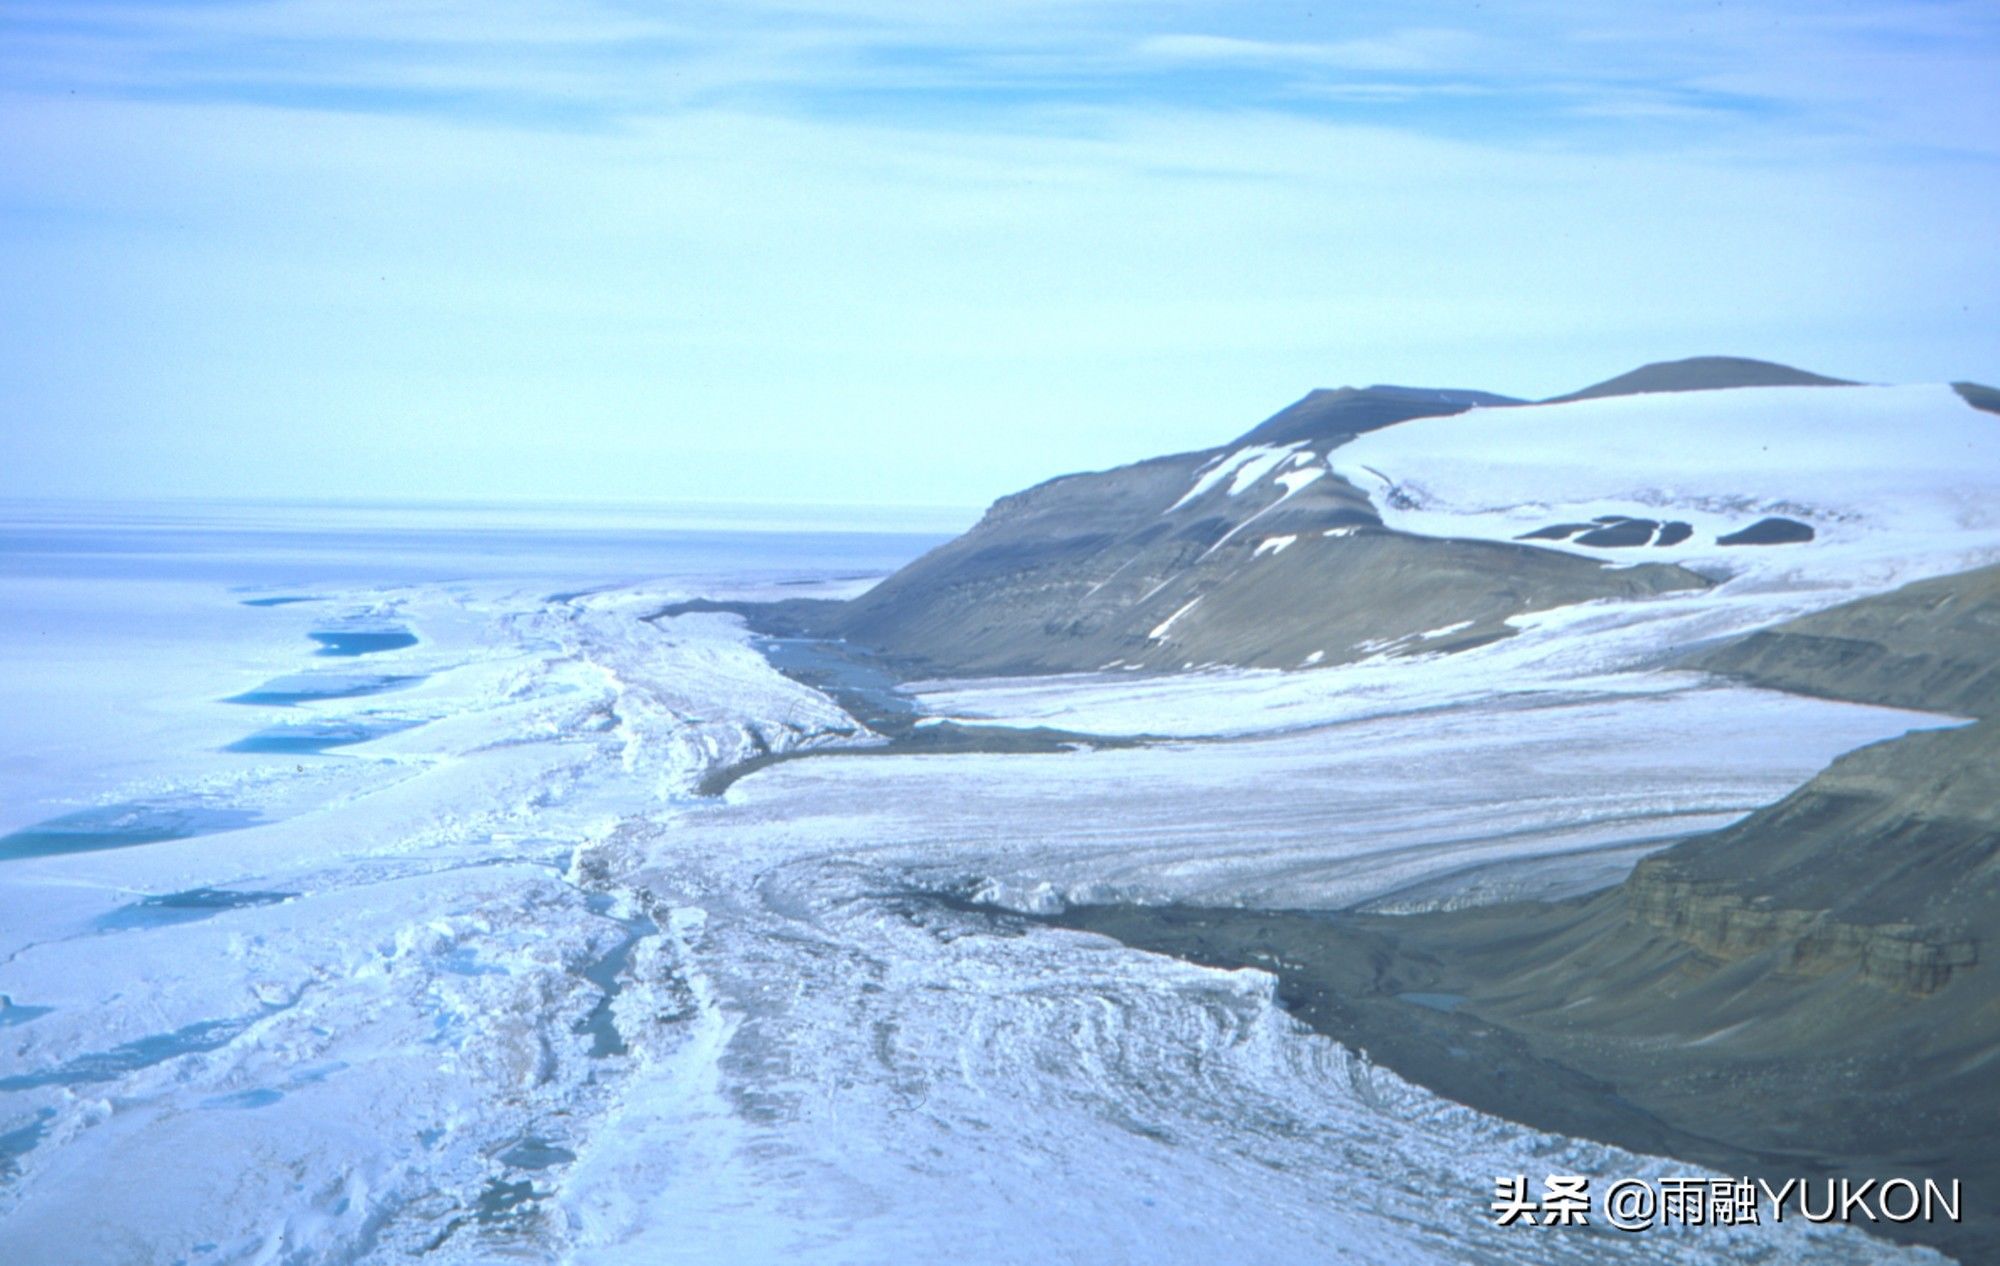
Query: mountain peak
1702,373
1349,411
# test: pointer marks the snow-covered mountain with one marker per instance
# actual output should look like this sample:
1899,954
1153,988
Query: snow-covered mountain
1394,520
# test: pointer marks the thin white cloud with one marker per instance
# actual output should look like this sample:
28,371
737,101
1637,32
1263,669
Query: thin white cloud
1416,49
489,22
1387,92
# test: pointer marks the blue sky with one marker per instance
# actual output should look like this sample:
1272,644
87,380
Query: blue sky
886,253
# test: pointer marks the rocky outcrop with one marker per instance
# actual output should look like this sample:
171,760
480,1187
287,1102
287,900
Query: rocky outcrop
1889,861
1718,920
1818,977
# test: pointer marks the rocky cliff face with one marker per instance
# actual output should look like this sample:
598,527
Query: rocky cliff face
1886,860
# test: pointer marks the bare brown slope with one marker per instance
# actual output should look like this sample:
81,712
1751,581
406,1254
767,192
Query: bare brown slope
1933,645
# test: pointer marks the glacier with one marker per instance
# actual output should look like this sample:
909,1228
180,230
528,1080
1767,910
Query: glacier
494,983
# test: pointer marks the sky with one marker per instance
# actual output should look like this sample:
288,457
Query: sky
886,253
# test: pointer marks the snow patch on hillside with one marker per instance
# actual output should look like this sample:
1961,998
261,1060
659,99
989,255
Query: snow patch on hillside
1242,468
1165,626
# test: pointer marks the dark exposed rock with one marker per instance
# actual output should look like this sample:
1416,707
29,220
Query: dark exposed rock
1771,531
1979,396
1622,534
1612,531
1715,918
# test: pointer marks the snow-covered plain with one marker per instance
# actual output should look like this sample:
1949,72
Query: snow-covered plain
498,985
